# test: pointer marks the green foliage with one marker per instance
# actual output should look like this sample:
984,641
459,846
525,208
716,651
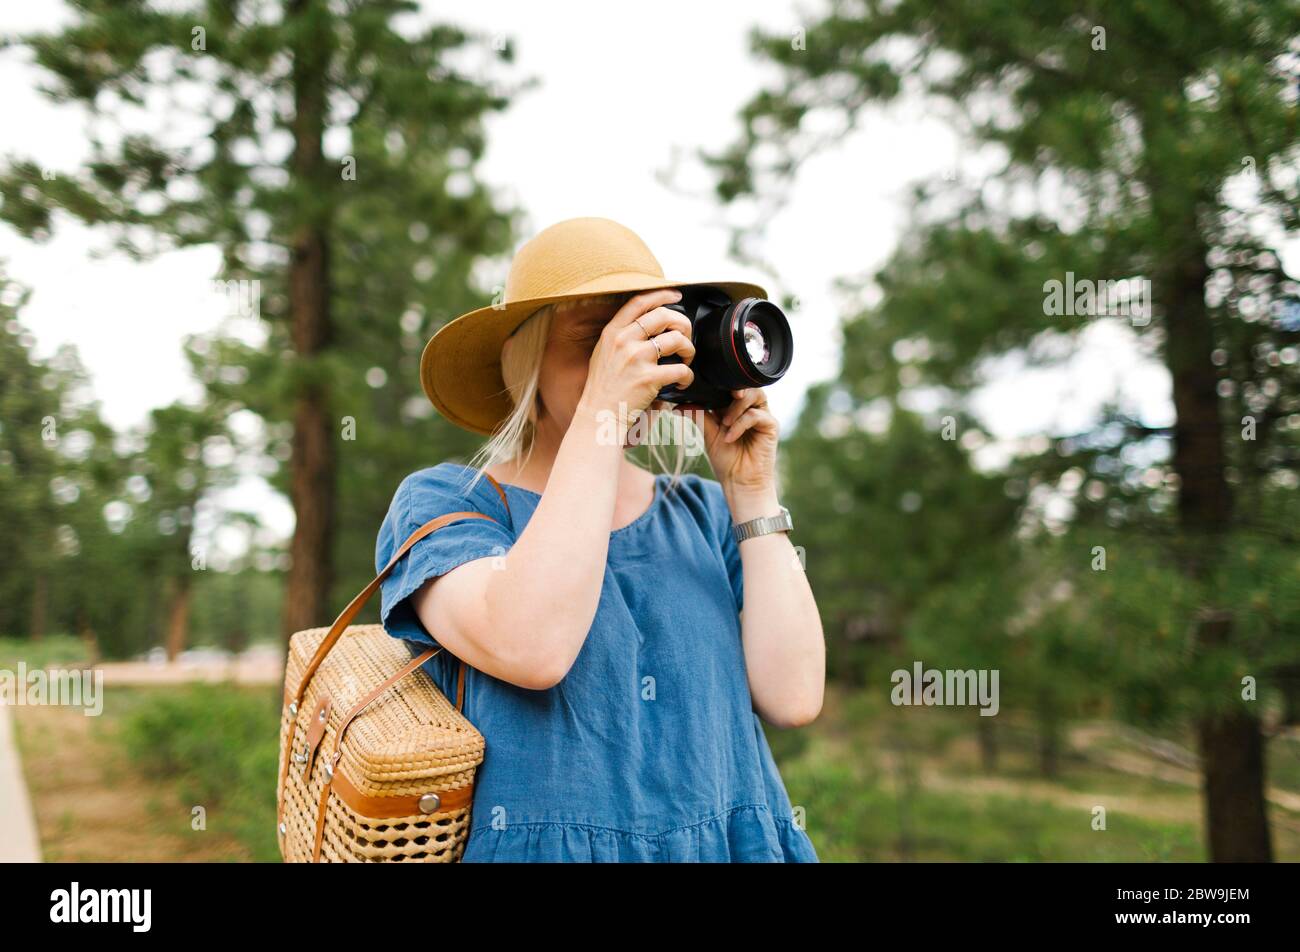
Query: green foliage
99,524
233,610
51,651
220,744
864,826
878,528
58,469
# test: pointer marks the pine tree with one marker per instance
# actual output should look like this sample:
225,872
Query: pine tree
336,144
1121,134
59,469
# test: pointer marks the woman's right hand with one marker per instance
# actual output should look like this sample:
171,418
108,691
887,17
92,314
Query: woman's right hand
625,376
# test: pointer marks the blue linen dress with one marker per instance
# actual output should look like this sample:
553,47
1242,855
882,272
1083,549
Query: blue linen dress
649,749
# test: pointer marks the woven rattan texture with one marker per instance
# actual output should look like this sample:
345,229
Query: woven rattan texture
410,741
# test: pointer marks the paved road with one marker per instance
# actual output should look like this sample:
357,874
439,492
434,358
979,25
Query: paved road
18,840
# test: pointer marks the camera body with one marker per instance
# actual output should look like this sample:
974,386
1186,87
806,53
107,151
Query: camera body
738,344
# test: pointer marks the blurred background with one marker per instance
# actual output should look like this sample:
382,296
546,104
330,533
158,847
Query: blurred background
1042,263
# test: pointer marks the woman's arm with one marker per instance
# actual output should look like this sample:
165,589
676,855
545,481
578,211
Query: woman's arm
781,629
785,650
523,618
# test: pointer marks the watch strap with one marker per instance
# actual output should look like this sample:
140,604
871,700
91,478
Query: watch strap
763,525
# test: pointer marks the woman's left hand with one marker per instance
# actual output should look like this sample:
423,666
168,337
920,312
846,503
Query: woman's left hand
741,441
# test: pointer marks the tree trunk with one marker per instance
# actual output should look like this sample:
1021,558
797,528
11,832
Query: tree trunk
40,605
312,464
178,618
1288,680
1231,745
1232,760
89,641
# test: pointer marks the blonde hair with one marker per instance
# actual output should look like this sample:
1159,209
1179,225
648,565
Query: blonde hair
521,366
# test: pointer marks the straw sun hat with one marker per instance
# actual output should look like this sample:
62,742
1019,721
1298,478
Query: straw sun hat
461,365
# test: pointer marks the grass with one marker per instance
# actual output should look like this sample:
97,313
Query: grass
230,772
57,650
859,815
874,823
1283,764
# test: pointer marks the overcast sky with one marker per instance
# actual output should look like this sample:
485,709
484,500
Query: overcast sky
618,97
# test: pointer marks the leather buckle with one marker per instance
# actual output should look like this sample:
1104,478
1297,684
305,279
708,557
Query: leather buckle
316,732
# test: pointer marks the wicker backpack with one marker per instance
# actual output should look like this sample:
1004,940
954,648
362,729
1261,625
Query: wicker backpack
400,789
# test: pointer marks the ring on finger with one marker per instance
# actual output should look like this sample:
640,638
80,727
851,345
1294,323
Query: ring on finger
658,353
642,326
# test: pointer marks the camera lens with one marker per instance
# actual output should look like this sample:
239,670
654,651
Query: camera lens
756,345
761,343
738,344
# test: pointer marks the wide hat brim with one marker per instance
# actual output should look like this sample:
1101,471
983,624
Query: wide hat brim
460,368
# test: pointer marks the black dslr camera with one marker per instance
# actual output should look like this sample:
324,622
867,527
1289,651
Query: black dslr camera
738,344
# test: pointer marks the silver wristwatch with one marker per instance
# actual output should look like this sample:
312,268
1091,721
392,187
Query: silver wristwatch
763,525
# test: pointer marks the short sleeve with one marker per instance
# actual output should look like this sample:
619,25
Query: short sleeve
726,539
421,497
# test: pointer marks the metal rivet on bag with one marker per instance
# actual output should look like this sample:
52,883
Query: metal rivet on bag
293,709
329,770
283,829
322,717
430,802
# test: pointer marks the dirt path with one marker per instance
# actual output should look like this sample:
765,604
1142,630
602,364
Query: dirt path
1175,807
1147,806
91,805
1086,737
251,670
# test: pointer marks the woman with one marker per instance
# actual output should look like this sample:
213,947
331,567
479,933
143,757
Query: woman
612,673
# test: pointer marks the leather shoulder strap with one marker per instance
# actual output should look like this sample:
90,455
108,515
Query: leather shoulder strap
350,612
500,491
357,603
